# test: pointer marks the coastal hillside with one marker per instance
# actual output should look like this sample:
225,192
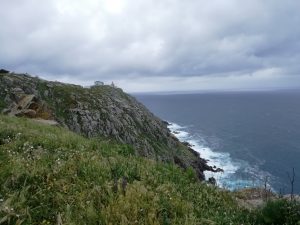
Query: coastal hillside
97,111
49,175
52,175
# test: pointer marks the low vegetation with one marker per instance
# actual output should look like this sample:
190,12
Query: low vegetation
280,212
104,111
49,175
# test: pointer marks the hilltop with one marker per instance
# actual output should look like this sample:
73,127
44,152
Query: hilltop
97,111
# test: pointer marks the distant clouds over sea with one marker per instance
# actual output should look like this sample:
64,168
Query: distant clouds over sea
155,45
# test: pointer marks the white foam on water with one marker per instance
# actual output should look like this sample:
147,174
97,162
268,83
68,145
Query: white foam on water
226,179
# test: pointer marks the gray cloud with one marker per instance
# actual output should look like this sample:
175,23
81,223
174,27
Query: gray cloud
155,41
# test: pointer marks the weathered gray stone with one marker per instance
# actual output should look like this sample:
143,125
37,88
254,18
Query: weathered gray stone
104,111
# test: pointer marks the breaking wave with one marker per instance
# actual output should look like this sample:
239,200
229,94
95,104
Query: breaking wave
237,173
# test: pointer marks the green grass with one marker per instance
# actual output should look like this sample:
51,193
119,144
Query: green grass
103,104
281,211
66,95
2,104
48,174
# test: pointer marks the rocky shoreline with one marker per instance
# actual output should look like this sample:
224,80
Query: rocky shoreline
204,162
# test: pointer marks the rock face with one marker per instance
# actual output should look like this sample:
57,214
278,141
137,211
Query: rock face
4,71
27,105
97,111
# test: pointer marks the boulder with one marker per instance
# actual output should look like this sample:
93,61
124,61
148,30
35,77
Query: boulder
212,181
28,106
25,106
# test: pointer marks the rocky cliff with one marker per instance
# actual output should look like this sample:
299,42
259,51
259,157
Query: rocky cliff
96,112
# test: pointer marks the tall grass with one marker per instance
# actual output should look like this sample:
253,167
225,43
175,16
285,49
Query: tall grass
49,175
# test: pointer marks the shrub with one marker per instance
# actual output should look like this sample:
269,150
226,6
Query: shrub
280,212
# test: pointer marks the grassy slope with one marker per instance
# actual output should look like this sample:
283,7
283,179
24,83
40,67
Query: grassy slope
49,174
89,95
102,100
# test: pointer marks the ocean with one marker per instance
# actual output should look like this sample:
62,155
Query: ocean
253,136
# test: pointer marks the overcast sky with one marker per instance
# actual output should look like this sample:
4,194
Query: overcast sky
155,45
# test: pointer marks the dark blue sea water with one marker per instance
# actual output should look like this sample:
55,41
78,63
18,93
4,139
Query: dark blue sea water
251,135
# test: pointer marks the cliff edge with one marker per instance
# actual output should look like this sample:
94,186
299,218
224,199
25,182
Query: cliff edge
97,111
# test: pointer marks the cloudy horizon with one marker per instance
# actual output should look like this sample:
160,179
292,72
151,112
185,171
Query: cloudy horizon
155,45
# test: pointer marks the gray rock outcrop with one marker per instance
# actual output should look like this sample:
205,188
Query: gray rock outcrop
97,111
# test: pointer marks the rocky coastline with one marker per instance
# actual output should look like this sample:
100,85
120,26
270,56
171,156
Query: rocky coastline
98,111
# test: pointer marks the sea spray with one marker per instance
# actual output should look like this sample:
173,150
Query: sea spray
233,176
